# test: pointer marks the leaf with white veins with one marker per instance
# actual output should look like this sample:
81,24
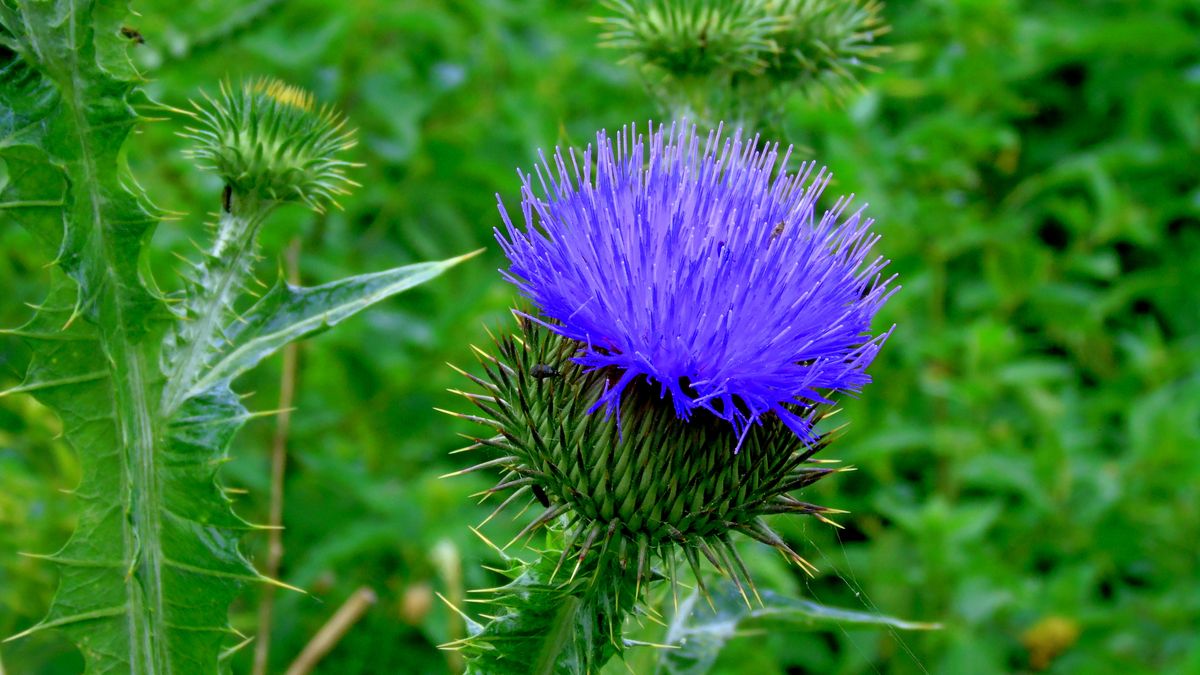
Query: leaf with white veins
287,313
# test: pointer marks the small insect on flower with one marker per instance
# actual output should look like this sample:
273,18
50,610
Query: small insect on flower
691,320
267,138
541,371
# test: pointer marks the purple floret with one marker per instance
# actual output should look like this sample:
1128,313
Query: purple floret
702,268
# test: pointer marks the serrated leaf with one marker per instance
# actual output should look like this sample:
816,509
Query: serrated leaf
32,195
95,339
700,631
148,576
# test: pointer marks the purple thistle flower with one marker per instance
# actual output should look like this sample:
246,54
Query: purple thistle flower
702,269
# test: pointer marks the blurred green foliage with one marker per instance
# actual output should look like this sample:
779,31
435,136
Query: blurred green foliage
1028,456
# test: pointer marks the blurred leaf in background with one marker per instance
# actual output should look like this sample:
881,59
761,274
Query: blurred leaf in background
1027,457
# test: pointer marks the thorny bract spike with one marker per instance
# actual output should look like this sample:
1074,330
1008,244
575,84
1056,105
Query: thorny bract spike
657,483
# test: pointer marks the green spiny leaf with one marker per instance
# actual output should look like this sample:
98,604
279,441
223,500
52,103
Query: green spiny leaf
701,629
148,576
287,313
546,624
98,331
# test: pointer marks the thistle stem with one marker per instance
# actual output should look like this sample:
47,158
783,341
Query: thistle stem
545,625
220,280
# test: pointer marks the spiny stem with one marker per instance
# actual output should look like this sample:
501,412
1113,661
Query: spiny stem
287,391
541,626
221,277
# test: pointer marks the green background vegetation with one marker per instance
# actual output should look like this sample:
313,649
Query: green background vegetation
1028,458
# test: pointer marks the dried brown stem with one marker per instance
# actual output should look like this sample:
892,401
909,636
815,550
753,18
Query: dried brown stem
333,630
287,394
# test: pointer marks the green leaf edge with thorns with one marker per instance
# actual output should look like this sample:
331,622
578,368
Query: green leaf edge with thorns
141,378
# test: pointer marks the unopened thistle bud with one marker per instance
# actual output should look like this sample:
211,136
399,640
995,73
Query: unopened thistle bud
268,140
691,320
824,44
690,38
713,59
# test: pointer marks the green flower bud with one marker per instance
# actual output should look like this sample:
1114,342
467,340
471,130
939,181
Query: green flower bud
639,485
713,60
824,43
689,38
268,141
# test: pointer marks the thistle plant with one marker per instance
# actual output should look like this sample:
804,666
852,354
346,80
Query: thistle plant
142,378
736,59
690,322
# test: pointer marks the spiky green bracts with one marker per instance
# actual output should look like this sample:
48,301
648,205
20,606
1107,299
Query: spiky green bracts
691,38
639,486
822,44
709,60
267,139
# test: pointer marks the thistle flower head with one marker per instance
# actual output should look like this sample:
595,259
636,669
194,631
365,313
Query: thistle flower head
687,285
268,138
697,268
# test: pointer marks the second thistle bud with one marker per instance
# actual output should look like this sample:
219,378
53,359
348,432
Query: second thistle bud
269,140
